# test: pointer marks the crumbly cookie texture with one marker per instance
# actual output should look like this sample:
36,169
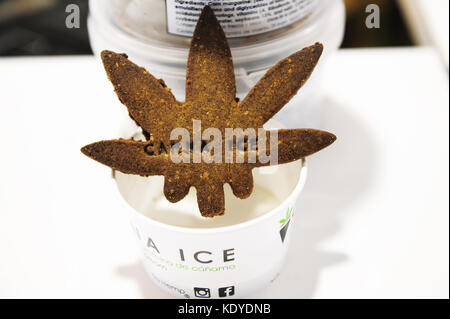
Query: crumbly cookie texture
210,98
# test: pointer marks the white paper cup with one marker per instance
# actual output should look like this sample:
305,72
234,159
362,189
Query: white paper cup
232,256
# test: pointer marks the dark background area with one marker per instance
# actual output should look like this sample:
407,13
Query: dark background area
37,27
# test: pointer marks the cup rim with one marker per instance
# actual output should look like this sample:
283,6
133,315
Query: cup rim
294,193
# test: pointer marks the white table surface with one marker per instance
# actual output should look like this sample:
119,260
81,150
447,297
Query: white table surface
372,222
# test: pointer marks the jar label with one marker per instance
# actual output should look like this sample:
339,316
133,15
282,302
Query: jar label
239,18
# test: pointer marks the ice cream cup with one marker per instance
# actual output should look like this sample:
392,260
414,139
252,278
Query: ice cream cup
230,256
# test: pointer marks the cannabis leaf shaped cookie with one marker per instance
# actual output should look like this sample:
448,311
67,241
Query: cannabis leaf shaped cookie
211,99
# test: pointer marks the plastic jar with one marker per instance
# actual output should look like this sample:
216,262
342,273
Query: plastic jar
156,34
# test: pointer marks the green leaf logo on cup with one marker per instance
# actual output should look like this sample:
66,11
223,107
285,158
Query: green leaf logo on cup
285,223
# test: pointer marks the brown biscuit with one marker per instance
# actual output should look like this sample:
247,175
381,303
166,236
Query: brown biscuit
211,99
276,88
127,156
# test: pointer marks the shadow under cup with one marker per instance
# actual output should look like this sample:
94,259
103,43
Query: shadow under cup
229,256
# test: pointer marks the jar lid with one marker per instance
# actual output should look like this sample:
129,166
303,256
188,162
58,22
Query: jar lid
167,53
